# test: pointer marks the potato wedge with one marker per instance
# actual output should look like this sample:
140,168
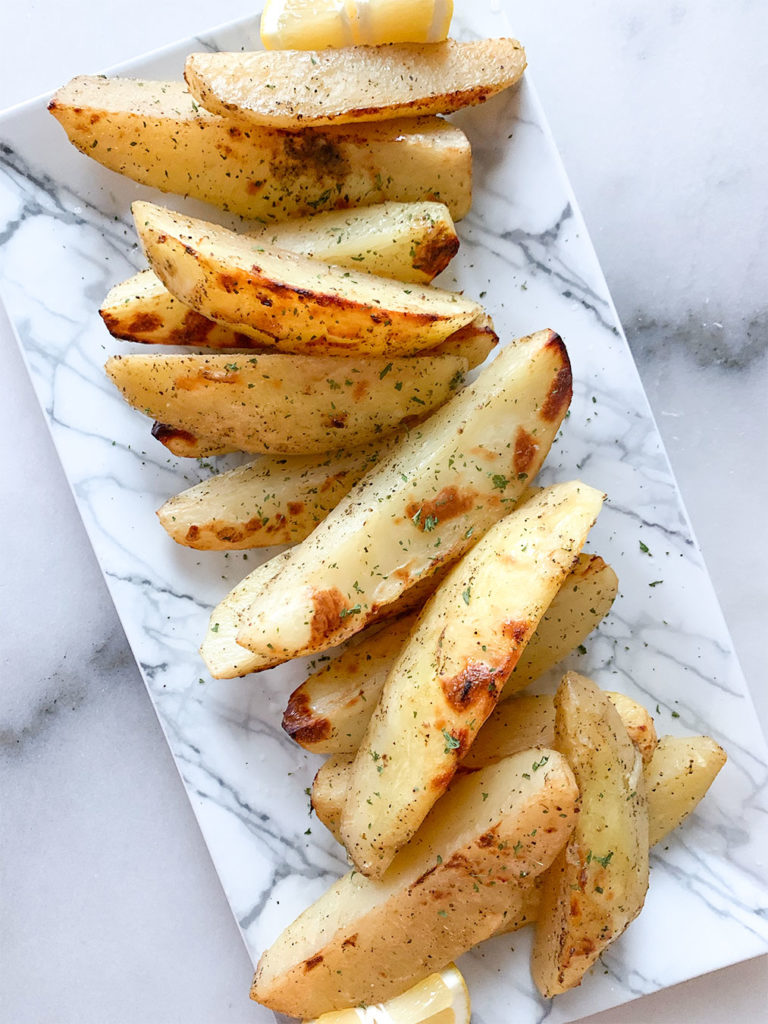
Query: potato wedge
409,242
597,884
331,709
418,510
522,723
142,309
303,304
185,445
449,675
475,342
678,775
406,241
289,89
279,403
274,500
471,867
155,133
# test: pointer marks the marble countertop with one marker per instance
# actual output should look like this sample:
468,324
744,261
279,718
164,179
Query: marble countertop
112,909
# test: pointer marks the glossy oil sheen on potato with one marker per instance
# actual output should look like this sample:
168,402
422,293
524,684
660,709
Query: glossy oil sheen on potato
156,134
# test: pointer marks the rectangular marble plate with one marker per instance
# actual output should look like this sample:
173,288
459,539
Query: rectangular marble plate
66,236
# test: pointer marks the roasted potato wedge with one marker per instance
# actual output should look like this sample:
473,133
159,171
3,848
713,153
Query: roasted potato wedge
678,775
297,405
597,884
156,134
406,241
522,723
450,673
331,709
301,303
274,500
418,510
289,89
471,867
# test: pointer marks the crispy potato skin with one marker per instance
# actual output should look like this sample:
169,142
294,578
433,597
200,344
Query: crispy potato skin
299,405
597,884
289,89
471,868
154,133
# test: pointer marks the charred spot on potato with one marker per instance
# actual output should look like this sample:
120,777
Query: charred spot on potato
351,942
230,534
170,436
229,282
326,617
338,419
142,323
516,630
526,449
448,504
313,152
295,507
300,722
561,389
193,533
314,961
434,254
489,838
476,686
194,329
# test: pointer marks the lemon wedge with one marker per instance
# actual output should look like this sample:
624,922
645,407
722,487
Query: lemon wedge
439,999
315,24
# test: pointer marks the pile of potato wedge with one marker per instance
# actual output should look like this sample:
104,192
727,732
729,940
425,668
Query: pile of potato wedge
313,337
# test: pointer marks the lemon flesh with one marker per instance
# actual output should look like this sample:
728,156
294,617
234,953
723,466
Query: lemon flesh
439,999
313,25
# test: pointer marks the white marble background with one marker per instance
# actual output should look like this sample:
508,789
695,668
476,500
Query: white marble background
111,909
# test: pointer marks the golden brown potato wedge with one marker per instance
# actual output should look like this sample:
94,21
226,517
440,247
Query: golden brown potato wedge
450,673
597,884
274,500
639,724
522,723
290,89
471,867
301,303
417,511
678,775
406,241
156,134
329,712
280,403
142,309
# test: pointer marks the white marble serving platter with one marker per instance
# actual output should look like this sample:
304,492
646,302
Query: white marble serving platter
66,236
